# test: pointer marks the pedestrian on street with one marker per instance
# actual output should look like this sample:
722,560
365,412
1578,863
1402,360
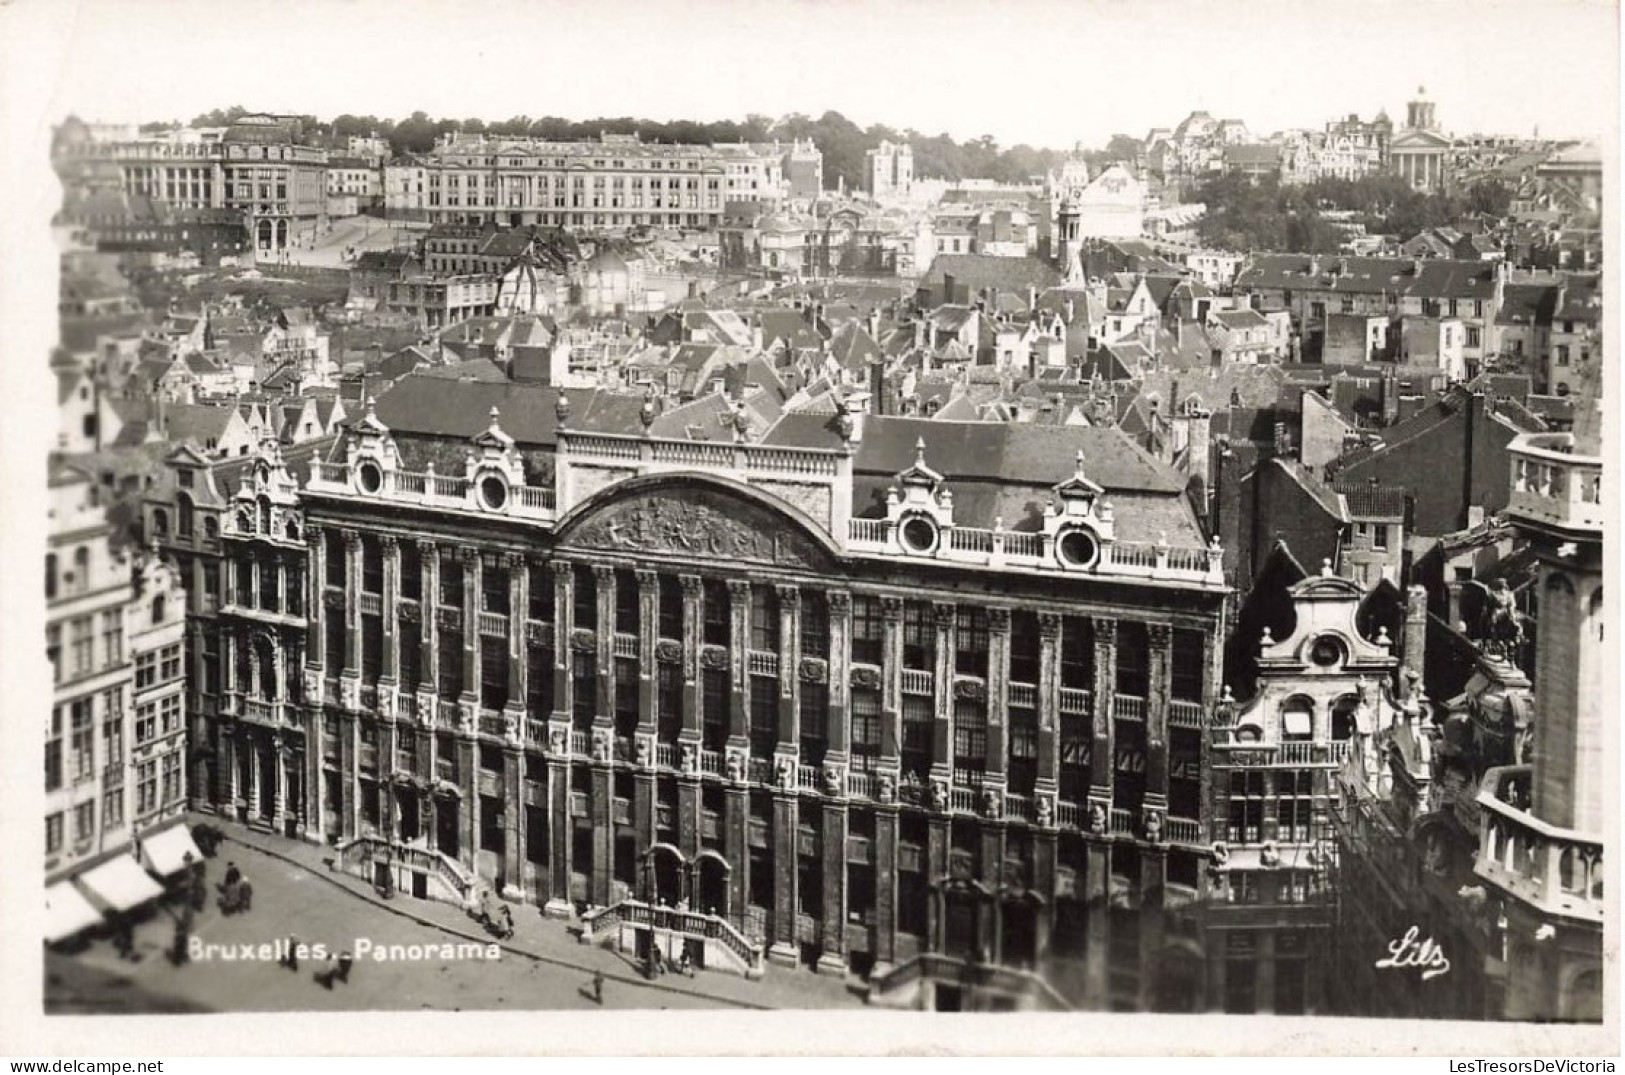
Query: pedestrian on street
291,959
233,874
329,971
179,954
346,960
598,987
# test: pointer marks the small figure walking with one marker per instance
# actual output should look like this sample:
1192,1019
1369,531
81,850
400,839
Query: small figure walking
233,875
598,987
181,954
346,960
290,959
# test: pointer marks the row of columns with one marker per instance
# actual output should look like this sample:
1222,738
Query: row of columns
693,658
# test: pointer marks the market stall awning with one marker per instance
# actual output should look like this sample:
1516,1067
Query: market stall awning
164,853
119,884
67,912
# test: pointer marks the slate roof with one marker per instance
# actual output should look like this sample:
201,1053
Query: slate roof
1428,278
979,271
1368,500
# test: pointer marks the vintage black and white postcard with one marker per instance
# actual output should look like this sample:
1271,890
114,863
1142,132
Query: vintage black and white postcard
844,509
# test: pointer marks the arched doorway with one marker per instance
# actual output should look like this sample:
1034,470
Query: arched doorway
664,868
711,873
264,235
1018,929
961,922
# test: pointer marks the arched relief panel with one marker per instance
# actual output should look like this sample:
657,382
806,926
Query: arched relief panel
696,517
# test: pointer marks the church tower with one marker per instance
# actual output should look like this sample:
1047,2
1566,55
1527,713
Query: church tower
1419,112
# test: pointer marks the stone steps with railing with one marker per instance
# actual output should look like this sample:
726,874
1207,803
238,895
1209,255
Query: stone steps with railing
359,855
613,923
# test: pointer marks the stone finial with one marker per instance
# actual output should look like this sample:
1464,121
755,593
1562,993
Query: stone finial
1267,639
1078,471
561,409
648,413
919,452
1326,568
496,414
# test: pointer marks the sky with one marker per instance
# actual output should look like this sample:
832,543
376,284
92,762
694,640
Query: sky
1044,72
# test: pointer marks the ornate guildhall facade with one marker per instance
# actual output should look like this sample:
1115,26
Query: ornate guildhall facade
920,699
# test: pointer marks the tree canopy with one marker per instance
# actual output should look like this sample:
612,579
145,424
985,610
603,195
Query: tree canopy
842,142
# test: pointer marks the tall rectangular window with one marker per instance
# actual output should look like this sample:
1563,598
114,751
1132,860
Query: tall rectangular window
671,607
814,624
586,599
970,740
814,714
82,745
411,571
970,641
450,662
866,719
541,594
1023,767
493,672
868,630
494,592
764,715
113,637
53,751
626,697
669,702
372,566
714,707
1189,671
1077,654
1133,658
83,643
1024,647
451,581
628,603
584,690
919,730
764,619
335,556
919,637
716,613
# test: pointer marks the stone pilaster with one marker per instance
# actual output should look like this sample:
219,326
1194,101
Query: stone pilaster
885,889
693,632
837,731
789,664
563,651
738,662
559,904
1156,718
785,839
833,958
942,731
1049,704
518,666
604,635
998,695
389,673
352,602
513,822
1101,769
891,679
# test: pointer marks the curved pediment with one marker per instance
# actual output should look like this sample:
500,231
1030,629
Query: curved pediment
696,515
